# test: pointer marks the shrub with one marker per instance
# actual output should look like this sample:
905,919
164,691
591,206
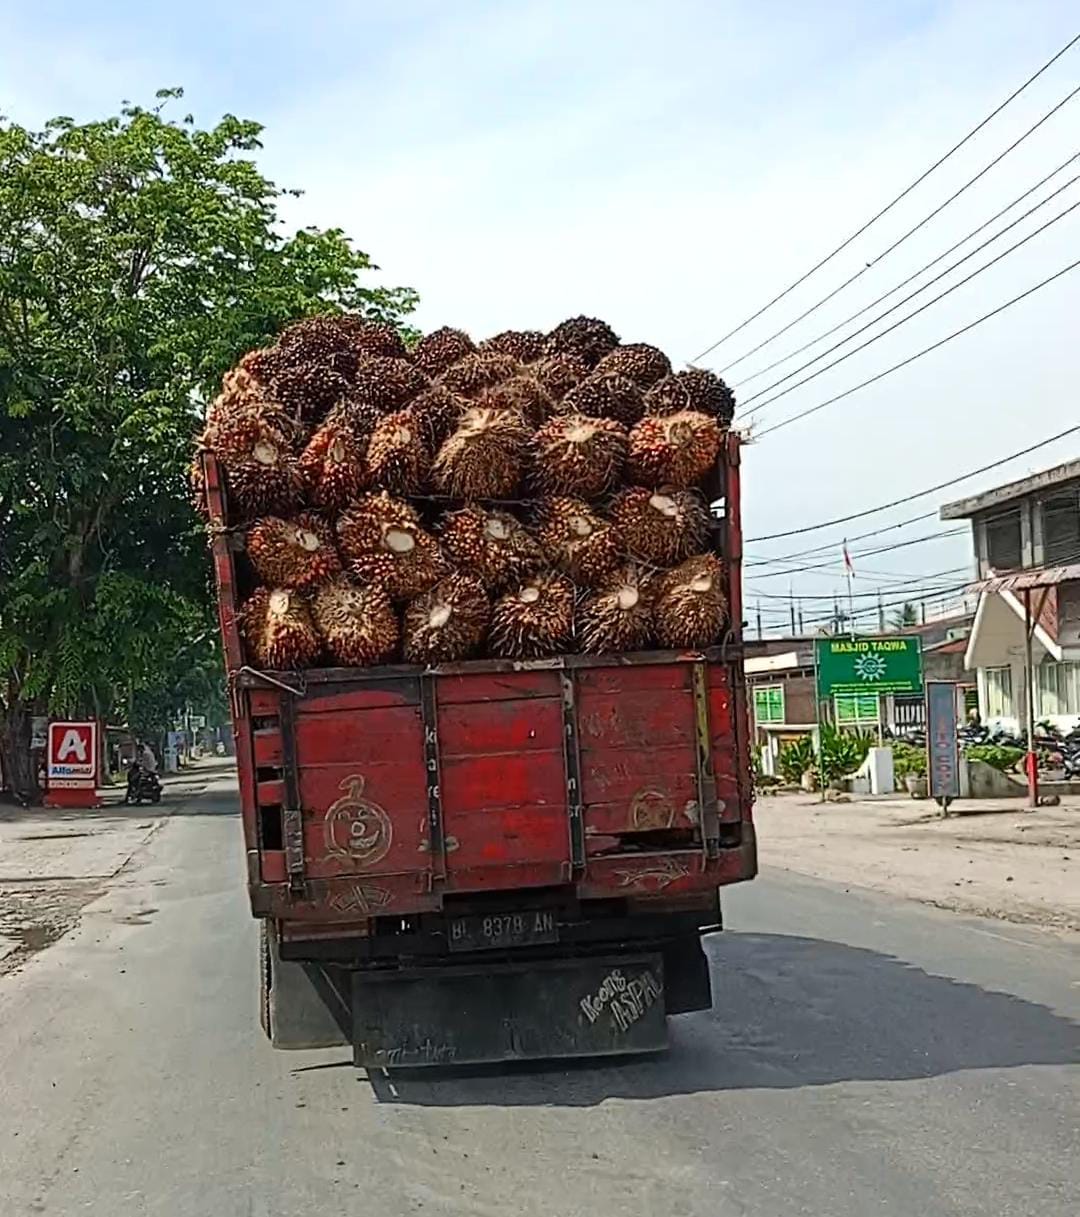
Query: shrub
995,754
795,759
907,759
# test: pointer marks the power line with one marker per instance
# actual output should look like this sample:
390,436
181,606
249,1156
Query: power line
889,206
919,494
919,354
907,317
866,553
922,270
910,232
929,583
817,549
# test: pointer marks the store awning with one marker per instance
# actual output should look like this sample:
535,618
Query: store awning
1018,581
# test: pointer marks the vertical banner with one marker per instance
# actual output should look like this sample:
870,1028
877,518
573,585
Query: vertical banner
943,754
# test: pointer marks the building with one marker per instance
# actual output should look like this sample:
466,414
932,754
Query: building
1026,540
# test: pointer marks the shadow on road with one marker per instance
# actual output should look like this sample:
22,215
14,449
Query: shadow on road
788,1012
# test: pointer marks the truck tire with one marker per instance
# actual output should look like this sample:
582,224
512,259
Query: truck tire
265,977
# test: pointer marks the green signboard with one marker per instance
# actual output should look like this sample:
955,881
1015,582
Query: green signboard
868,665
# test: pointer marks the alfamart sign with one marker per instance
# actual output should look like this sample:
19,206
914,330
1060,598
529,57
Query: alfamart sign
868,665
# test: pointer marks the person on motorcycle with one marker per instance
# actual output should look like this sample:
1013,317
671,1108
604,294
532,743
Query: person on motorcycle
144,757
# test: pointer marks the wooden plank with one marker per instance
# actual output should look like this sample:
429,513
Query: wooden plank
391,735
617,775
508,836
487,728
485,783
652,808
266,747
504,878
657,678
506,686
264,703
404,692
634,718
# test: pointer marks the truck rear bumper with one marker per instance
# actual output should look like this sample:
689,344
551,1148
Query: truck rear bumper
509,1012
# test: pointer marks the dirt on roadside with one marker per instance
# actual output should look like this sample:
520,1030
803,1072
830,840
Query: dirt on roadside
996,859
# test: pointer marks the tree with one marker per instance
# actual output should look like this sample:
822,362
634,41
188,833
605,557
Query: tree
139,258
904,616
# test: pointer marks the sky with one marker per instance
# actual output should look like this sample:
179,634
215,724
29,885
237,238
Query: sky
671,166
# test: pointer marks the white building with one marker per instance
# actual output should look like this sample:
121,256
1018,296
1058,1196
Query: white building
1026,537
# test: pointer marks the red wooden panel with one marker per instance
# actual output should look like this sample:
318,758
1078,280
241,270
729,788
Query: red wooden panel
482,783
654,678
486,878
499,726
619,775
671,805
351,899
634,719
267,747
246,775
507,837
392,735
273,866
497,686
366,820
264,703
647,874
394,691
267,794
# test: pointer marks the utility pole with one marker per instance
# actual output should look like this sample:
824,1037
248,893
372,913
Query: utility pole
791,605
880,613
759,620
802,628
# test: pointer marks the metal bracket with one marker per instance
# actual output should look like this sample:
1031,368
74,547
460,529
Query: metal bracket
292,814
430,719
572,761
706,779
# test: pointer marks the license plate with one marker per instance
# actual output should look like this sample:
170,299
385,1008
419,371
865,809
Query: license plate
489,931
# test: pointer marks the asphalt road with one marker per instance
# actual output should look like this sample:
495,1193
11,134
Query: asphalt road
864,1056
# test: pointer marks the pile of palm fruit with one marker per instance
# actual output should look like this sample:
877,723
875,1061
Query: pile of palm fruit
533,495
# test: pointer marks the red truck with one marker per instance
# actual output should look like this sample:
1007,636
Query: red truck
490,860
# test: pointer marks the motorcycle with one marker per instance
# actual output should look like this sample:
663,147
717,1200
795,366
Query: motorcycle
143,784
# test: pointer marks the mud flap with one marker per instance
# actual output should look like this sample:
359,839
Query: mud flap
507,1012
302,1005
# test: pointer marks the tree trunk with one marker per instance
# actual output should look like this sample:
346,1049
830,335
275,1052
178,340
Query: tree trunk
20,766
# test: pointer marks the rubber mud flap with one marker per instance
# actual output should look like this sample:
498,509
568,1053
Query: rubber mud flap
473,1014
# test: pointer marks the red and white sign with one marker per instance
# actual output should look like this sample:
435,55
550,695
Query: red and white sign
71,764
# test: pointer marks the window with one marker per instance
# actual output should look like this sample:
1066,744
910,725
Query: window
769,703
1004,550
1058,686
998,685
1061,527
855,709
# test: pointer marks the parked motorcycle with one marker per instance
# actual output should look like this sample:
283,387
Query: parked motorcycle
143,785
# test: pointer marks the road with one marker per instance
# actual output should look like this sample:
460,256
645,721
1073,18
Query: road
864,1056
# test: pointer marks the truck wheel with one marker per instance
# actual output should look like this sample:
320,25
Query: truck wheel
265,976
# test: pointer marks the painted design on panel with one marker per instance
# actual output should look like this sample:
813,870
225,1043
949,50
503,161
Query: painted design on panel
360,898
357,831
651,808
655,877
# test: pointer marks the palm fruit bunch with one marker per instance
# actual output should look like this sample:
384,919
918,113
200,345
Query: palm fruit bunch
484,456
607,395
676,450
695,389
278,629
637,361
292,553
661,527
333,467
493,545
397,456
526,346
618,615
585,337
448,622
356,622
441,349
575,454
535,619
577,539
691,607
576,469
384,542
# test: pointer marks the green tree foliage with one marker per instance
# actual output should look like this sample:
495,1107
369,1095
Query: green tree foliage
794,759
139,258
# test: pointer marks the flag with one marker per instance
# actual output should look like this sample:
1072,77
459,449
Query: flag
847,560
